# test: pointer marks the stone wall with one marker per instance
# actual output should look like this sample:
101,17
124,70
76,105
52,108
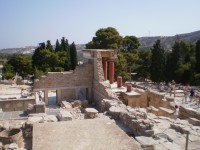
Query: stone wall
101,88
135,119
143,98
68,94
155,99
16,104
185,113
81,76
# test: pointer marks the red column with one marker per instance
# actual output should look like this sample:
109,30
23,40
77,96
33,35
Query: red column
105,69
129,87
119,81
111,71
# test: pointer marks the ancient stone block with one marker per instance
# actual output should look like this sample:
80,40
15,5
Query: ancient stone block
66,105
147,143
40,107
166,112
114,111
90,113
35,119
194,121
188,112
64,116
50,118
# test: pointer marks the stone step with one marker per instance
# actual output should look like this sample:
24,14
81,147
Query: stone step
152,110
165,112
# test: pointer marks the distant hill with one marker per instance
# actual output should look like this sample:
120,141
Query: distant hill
27,50
168,41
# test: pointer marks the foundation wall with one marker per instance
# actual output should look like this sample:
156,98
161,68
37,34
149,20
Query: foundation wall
16,104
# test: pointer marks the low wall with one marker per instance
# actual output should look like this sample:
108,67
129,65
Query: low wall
155,99
16,104
185,113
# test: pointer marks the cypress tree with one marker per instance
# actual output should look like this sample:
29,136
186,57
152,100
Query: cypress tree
49,46
73,56
197,56
57,48
63,44
157,62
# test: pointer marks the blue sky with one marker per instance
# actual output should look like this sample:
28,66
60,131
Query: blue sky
29,22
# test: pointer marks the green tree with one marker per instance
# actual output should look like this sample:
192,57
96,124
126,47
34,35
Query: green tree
197,56
8,71
144,61
64,44
106,38
73,56
58,47
180,62
64,60
157,62
21,64
129,44
49,46
121,68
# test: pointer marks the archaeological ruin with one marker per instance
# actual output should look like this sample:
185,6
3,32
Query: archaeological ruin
88,108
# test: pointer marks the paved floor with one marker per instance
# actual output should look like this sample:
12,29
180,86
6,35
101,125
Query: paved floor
13,115
89,134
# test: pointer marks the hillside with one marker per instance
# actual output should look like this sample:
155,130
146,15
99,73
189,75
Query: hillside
168,41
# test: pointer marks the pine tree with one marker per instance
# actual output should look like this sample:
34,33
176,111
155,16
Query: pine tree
157,62
73,56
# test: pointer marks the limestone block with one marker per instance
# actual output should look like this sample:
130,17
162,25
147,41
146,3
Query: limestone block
147,143
91,113
149,133
40,107
114,111
171,145
180,128
166,112
188,112
152,110
50,118
35,119
194,121
64,116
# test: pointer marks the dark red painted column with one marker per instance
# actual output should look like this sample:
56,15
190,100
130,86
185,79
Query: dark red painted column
111,71
105,69
129,87
119,81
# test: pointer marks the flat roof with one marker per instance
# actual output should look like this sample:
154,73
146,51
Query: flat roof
88,134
